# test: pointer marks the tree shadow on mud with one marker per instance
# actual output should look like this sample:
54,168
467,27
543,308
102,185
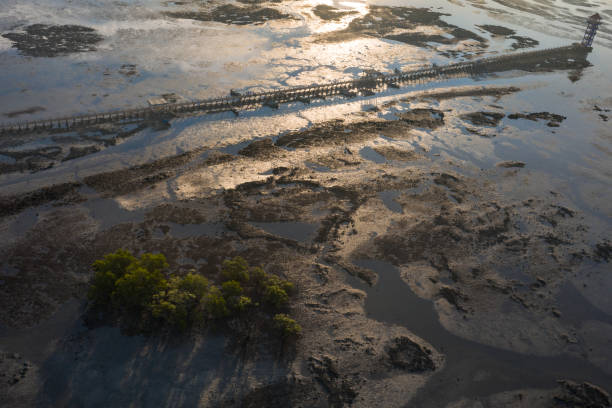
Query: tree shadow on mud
102,367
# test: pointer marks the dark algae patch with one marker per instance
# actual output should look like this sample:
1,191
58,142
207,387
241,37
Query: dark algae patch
523,42
483,118
41,40
326,12
231,14
497,30
27,111
519,41
553,119
381,22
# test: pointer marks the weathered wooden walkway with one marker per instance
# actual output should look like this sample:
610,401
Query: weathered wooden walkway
365,86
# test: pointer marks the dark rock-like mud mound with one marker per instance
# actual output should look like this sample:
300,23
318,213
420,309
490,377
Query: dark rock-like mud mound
519,41
231,14
41,40
424,118
483,118
586,395
553,119
27,111
326,12
381,22
410,356
261,149
497,30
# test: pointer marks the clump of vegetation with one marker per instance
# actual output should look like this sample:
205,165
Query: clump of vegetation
143,290
286,325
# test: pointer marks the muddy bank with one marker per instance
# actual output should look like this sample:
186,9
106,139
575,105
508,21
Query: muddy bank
58,193
567,394
62,146
413,273
41,40
338,133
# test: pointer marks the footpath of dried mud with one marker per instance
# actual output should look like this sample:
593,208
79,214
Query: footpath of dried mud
308,206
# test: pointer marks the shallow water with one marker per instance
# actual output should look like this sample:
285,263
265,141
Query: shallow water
471,369
298,231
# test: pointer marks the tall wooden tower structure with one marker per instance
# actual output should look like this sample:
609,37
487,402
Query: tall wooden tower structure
592,25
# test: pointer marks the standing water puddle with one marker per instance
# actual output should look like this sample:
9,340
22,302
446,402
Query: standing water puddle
109,212
372,155
297,231
472,369
388,198
179,231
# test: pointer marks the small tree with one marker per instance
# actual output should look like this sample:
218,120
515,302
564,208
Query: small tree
215,304
194,284
236,269
106,272
153,262
173,308
286,325
134,291
276,296
231,288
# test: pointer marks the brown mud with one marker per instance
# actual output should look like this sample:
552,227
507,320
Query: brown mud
418,276
61,148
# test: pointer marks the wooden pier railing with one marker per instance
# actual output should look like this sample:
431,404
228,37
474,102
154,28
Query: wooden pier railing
366,85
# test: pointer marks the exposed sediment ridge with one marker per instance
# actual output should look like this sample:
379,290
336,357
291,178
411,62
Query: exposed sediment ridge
561,57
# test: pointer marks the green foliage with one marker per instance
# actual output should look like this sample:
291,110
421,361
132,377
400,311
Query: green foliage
153,262
231,288
276,296
215,304
286,325
139,288
194,284
239,303
173,308
178,306
135,290
107,270
236,269
258,275
116,263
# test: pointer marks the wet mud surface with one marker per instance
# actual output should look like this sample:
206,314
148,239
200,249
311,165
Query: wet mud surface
419,283
40,40
20,153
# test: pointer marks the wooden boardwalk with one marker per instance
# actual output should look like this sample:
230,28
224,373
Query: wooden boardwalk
365,86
